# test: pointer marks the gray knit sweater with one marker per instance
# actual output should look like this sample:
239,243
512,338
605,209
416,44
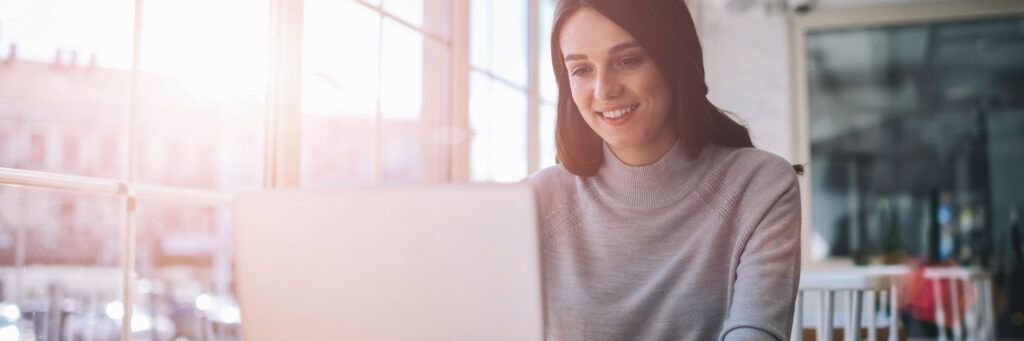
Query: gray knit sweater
682,249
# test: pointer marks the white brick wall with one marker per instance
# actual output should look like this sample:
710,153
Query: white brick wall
747,67
745,58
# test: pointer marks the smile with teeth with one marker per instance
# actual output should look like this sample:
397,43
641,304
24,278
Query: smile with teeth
619,112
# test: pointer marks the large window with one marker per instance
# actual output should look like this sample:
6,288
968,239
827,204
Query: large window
127,125
125,152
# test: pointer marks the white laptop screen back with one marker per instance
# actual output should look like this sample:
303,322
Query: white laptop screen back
429,263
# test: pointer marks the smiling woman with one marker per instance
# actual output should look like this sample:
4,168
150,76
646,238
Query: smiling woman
612,77
662,222
680,69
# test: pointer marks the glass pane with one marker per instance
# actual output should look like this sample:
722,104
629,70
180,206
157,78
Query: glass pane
401,152
401,73
915,131
339,92
917,151
184,257
497,121
409,10
202,93
401,103
60,254
481,143
480,43
548,83
336,151
548,156
498,38
509,32
65,85
339,68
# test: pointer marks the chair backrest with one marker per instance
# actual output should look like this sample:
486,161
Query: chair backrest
967,286
860,287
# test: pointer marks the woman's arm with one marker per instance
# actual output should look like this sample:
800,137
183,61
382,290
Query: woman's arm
768,274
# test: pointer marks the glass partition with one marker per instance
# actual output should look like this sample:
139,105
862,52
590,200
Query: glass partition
917,148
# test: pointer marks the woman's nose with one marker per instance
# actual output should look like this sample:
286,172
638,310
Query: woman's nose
607,86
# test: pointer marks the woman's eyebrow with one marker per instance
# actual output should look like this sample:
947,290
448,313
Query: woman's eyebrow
623,46
611,51
575,57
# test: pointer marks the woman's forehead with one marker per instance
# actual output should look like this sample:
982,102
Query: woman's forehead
588,32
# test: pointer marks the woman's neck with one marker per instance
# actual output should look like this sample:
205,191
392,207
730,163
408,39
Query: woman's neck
654,185
645,154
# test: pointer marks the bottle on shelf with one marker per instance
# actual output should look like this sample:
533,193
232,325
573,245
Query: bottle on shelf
1016,244
893,241
934,231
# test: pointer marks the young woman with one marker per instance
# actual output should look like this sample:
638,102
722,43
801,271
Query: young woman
661,221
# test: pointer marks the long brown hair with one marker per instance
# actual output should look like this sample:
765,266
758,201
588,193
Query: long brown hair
665,29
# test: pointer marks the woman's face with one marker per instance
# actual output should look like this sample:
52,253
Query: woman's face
615,84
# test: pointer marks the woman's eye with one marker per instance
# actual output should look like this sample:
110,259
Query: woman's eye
629,61
580,71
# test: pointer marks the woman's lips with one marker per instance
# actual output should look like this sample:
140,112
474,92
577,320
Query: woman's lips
618,116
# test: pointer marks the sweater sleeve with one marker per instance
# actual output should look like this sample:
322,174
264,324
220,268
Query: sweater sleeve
768,273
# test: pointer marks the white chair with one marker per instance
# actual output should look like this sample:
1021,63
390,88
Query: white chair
858,286
978,317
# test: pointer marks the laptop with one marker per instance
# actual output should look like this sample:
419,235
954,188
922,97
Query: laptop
454,262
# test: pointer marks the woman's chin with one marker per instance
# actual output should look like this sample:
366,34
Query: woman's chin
621,143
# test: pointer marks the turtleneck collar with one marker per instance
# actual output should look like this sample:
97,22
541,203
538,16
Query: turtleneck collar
655,185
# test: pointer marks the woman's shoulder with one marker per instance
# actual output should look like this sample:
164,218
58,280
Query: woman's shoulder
757,163
551,178
747,181
554,187
743,171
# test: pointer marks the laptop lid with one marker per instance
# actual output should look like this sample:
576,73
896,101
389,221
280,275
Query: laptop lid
454,262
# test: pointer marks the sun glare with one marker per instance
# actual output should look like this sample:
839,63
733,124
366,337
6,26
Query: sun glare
216,49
